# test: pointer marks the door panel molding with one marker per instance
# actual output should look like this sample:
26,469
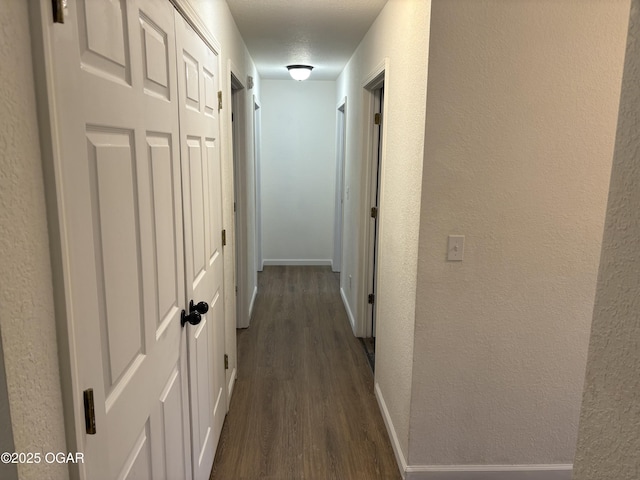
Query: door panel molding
204,260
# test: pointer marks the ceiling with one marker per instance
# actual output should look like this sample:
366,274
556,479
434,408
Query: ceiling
321,33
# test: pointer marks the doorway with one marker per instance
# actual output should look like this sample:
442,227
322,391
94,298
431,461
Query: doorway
257,145
240,210
375,145
341,135
374,189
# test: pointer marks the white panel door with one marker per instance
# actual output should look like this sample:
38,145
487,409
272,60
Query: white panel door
201,182
115,95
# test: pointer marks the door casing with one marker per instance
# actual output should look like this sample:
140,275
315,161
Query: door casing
341,138
238,128
257,149
371,83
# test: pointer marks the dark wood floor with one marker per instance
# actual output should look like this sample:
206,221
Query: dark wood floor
303,405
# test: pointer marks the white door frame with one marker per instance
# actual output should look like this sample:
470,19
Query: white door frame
40,15
43,63
341,139
257,147
238,153
372,82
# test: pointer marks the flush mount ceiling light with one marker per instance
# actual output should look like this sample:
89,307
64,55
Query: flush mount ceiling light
299,72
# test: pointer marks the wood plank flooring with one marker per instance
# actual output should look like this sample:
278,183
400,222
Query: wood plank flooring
303,405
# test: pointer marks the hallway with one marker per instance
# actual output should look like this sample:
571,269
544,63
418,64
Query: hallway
509,124
303,404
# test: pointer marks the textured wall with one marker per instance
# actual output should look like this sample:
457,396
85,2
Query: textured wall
400,33
298,168
609,434
26,297
522,104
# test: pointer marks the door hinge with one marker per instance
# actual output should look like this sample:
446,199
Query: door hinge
58,10
226,361
236,290
372,298
377,119
234,206
224,238
219,100
89,412
374,212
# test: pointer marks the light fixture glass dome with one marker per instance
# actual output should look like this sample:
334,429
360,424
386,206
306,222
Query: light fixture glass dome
299,72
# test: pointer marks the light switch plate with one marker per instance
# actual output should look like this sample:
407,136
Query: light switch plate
455,250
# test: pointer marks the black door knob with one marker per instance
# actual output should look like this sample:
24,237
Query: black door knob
200,307
193,318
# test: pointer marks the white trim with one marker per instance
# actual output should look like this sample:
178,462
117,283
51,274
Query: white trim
257,152
193,19
377,77
345,302
467,472
341,154
296,261
393,436
368,81
232,69
50,146
237,152
489,472
253,301
232,383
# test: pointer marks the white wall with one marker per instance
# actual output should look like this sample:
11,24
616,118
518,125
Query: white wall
298,171
26,294
218,20
522,103
399,34
608,439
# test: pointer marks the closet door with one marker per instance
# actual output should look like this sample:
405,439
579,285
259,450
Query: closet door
119,192
198,85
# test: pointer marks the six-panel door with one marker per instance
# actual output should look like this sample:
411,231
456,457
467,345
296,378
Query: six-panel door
121,180
201,180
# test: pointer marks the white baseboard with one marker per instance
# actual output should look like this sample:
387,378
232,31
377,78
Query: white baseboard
489,472
467,472
253,301
352,320
232,383
307,262
395,443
